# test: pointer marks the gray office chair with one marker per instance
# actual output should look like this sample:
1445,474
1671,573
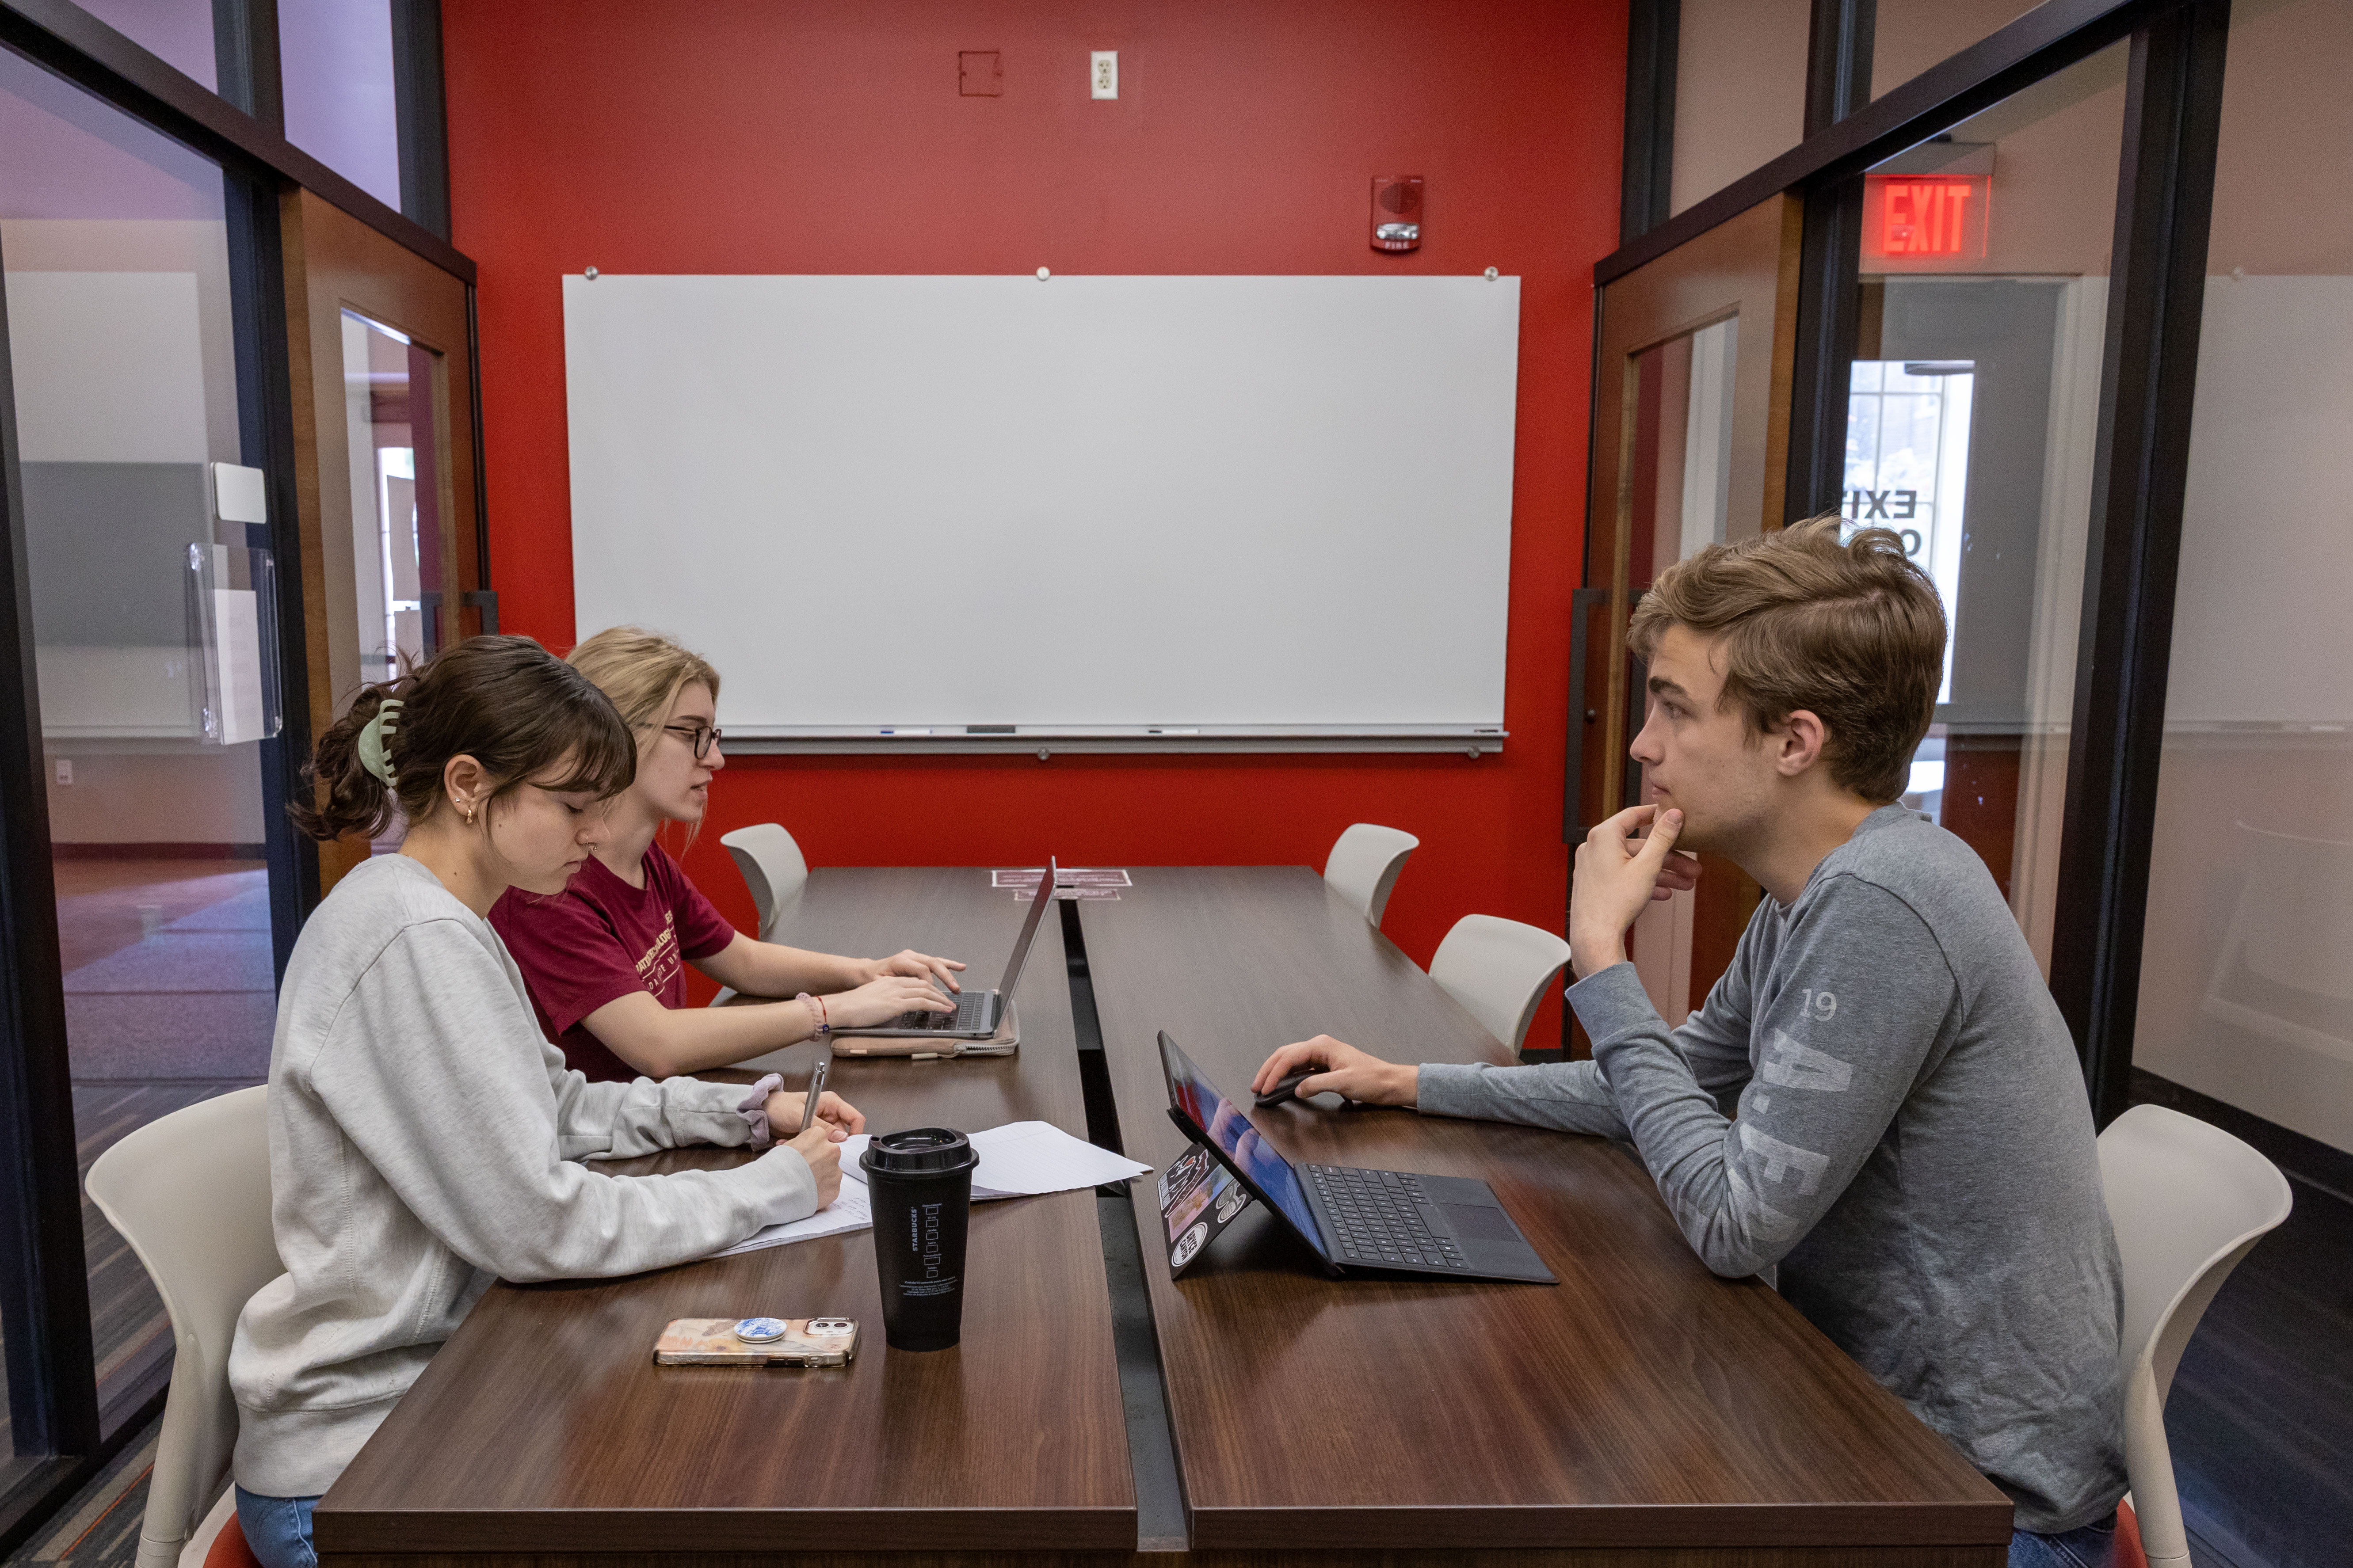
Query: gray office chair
1363,866
1498,970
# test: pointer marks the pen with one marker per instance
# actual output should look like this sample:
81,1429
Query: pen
816,1093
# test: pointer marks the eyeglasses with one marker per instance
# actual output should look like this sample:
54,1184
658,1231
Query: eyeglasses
701,737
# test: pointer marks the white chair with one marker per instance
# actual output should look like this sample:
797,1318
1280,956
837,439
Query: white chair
1363,866
2188,1201
773,868
1498,970
190,1193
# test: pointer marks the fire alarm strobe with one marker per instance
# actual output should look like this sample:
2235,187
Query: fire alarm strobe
1396,212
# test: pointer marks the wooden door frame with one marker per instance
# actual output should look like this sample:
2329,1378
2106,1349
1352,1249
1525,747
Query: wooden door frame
335,262
1745,267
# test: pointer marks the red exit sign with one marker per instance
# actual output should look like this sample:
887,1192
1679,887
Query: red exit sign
1925,217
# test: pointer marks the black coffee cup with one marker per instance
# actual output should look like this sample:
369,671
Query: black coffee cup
921,1183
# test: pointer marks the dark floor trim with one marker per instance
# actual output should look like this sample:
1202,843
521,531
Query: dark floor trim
159,851
2308,1160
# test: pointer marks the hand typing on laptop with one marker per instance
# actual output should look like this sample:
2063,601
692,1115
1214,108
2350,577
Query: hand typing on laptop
1348,1071
880,1000
921,965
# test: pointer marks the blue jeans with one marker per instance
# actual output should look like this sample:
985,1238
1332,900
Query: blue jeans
278,1528
2093,1546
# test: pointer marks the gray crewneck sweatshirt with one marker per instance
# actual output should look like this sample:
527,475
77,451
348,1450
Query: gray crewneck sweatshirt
1881,1098
425,1140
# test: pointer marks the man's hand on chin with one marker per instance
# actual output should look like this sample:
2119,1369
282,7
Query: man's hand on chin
1617,875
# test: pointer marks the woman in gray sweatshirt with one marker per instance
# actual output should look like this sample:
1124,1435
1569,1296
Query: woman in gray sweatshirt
425,1139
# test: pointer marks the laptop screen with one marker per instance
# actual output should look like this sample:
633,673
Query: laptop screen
1038,903
1190,1090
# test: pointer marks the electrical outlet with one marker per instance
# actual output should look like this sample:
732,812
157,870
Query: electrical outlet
1103,73
65,769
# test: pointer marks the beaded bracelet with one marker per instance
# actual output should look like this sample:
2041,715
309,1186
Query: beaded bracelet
815,1006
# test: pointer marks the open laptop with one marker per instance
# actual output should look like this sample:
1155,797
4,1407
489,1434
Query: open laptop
1354,1218
977,1013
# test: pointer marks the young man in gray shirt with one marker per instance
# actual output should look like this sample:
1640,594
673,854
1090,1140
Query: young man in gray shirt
1879,1100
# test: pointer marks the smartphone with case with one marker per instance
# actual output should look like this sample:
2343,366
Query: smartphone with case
757,1342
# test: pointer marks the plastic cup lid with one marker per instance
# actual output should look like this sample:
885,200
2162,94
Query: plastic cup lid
919,1151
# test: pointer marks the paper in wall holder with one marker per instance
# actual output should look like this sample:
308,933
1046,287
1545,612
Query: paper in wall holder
1198,1198
233,643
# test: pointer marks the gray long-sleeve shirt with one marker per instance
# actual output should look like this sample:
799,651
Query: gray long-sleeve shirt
424,1140
1881,1098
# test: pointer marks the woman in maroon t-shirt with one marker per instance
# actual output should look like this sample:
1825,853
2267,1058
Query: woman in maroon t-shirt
605,959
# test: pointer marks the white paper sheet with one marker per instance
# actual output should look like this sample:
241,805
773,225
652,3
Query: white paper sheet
1020,1158
848,1211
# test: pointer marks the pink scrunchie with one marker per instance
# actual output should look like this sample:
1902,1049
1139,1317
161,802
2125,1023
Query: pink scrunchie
755,1110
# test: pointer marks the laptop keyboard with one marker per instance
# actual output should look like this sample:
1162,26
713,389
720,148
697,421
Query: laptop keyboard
972,1010
1375,1220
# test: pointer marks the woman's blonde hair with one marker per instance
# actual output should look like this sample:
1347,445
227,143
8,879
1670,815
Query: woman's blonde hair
642,672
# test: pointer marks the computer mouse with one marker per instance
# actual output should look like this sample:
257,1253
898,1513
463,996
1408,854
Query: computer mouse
1287,1089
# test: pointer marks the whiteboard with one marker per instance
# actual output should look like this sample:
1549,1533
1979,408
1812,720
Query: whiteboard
1085,506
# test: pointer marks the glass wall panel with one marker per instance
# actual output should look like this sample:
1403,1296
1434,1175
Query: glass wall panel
177,32
1740,90
126,396
1682,464
2246,989
1971,421
1910,35
335,56
396,523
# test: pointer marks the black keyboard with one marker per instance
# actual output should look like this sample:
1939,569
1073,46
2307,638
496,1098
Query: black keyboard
1376,1221
972,1011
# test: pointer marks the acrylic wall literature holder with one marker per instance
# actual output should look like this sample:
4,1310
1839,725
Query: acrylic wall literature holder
232,592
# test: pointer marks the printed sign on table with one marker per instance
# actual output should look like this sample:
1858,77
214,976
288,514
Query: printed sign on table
1073,882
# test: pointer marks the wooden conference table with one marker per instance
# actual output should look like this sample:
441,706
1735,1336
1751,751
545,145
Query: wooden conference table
1640,1412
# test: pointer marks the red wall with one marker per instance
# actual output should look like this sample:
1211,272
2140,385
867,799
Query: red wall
828,137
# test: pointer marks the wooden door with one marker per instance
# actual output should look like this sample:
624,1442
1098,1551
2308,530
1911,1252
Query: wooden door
383,424
1691,414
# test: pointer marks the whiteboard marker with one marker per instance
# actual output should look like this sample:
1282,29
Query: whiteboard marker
1174,730
903,732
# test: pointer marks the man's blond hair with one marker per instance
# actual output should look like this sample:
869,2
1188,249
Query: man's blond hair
642,672
1849,631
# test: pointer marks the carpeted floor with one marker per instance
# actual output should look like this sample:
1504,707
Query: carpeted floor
99,1528
169,1001
180,992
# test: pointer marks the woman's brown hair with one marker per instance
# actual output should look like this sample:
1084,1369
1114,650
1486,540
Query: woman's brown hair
1850,630
505,701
